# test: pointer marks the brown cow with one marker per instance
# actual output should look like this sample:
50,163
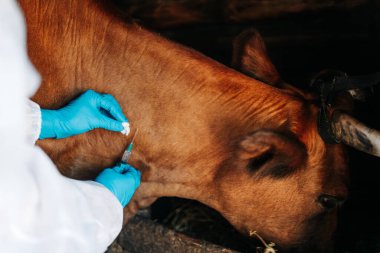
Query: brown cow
206,132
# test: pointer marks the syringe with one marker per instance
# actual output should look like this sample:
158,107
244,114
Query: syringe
128,151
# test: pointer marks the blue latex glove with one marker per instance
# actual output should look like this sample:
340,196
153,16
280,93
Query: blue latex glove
90,110
122,180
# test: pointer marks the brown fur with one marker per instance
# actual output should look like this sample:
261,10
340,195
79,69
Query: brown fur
250,57
195,119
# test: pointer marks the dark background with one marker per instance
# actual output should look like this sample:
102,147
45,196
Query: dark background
303,37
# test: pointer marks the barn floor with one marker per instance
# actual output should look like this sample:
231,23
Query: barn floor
300,45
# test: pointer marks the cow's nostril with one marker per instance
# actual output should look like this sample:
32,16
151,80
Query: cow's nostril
330,202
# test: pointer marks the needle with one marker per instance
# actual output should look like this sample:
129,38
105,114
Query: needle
128,151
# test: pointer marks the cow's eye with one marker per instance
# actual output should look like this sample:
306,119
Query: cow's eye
257,162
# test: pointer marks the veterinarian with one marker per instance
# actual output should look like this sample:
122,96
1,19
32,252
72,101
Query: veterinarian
41,210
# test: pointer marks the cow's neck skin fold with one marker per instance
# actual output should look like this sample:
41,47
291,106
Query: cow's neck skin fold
182,102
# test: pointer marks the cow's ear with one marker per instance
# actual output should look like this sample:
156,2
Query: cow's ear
251,58
269,153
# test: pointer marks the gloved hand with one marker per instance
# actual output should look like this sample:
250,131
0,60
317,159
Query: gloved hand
90,110
122,180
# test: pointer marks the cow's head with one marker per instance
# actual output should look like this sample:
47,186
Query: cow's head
285,184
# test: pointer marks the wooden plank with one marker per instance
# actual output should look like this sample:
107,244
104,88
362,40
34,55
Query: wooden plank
143,235
248,10
172,13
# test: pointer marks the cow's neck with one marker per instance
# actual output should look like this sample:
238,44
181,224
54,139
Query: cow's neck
187,107
198,106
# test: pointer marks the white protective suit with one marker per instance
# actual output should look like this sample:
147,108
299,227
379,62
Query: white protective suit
40,210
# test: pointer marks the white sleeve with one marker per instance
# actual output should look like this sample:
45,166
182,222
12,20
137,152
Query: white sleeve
40,210
33,121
